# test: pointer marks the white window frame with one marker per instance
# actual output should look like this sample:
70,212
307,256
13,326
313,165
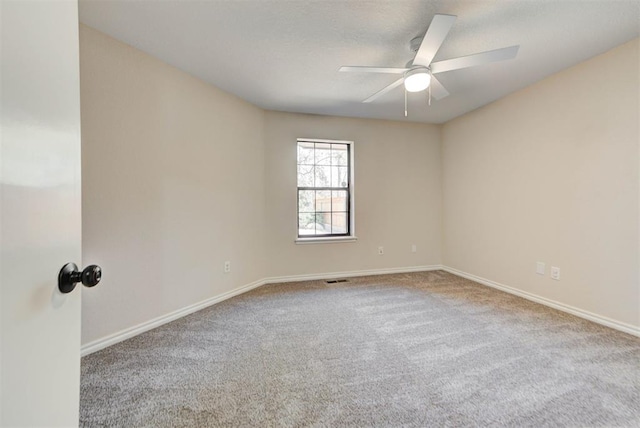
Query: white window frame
352,212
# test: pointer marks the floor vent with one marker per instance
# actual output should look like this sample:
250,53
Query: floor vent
333,281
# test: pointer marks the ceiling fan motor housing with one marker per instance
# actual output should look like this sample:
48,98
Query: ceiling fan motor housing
415,43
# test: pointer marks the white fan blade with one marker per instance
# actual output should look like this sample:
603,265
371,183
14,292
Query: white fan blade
475,59
437,90
384,90
390,70
436,33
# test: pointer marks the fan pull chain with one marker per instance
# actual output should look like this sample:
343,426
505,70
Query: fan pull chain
405,102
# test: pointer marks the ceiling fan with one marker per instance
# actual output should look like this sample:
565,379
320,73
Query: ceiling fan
418,74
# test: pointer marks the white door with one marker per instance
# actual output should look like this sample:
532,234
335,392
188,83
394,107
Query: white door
40,223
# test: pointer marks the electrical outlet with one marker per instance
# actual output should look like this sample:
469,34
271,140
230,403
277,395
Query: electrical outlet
555,273
540,268
380,251
227,267
414,248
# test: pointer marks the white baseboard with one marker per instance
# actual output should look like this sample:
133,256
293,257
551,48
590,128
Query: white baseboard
127,333
350,274
130,332
599,319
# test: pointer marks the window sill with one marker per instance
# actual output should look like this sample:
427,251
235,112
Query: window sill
329,240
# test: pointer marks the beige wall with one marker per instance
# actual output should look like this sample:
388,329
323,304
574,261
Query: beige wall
172,187
550,174
397,195
179,176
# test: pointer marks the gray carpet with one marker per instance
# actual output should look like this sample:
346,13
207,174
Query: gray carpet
419,349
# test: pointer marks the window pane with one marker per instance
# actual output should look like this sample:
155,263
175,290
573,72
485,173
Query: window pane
306,201
314,224
339,154
339,223
305,153
323,176
323,154
323,200
323,223
340,176
305,175
339,200
306,224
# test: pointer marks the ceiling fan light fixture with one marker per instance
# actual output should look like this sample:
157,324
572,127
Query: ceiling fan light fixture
417,79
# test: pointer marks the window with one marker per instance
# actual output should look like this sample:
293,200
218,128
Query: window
325,189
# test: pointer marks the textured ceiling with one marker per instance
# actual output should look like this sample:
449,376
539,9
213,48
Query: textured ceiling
285,55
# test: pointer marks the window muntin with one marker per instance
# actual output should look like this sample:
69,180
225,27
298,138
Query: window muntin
324,189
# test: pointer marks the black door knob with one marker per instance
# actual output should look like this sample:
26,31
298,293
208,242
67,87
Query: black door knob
69,276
